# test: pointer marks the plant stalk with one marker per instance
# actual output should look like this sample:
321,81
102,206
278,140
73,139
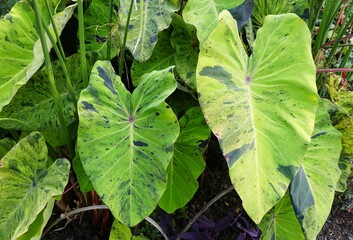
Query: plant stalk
54,91
110,20
81,34
63,65
150,220
122,53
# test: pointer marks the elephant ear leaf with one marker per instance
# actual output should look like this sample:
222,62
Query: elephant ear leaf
313,188
125,141
27,184
262,108
20,43
148,18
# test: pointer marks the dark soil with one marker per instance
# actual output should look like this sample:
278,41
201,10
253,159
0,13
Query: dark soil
213,181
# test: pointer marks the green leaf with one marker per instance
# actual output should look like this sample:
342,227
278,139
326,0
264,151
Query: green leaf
120,231
203,14
187,163
21,52
262,108
27,184
313,188
37,227
34,103
280,222
186,45
98,30
125,140
163,56
148,18
5,145
343,122
82,178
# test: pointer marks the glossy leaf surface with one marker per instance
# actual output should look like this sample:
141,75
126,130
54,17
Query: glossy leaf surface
262,108
313,188
148,18
21,52
125,140
203,14
27,184
187,163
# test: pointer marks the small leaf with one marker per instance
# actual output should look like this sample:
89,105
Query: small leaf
120,231
203,14
125,140
148,18
27,184
187,163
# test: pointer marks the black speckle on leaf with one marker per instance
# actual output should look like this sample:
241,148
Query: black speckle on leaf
89,106
156,113
130,26
153,39
140,144
218,73
234,155
318,135
107,80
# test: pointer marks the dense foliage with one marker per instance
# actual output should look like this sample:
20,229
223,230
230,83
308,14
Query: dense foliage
102,102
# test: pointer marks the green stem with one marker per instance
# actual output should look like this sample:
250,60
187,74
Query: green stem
63,65
54,91
110,17
122,53
81,35
55,29
15,135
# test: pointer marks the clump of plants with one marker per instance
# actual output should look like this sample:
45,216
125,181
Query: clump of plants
124,110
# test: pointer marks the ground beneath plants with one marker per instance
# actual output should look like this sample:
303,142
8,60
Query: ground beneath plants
224,220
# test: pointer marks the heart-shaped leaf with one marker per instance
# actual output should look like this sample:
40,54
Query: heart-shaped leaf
262,108
187,163
313,188
27,184
125,140
203,14
148,18
21,52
